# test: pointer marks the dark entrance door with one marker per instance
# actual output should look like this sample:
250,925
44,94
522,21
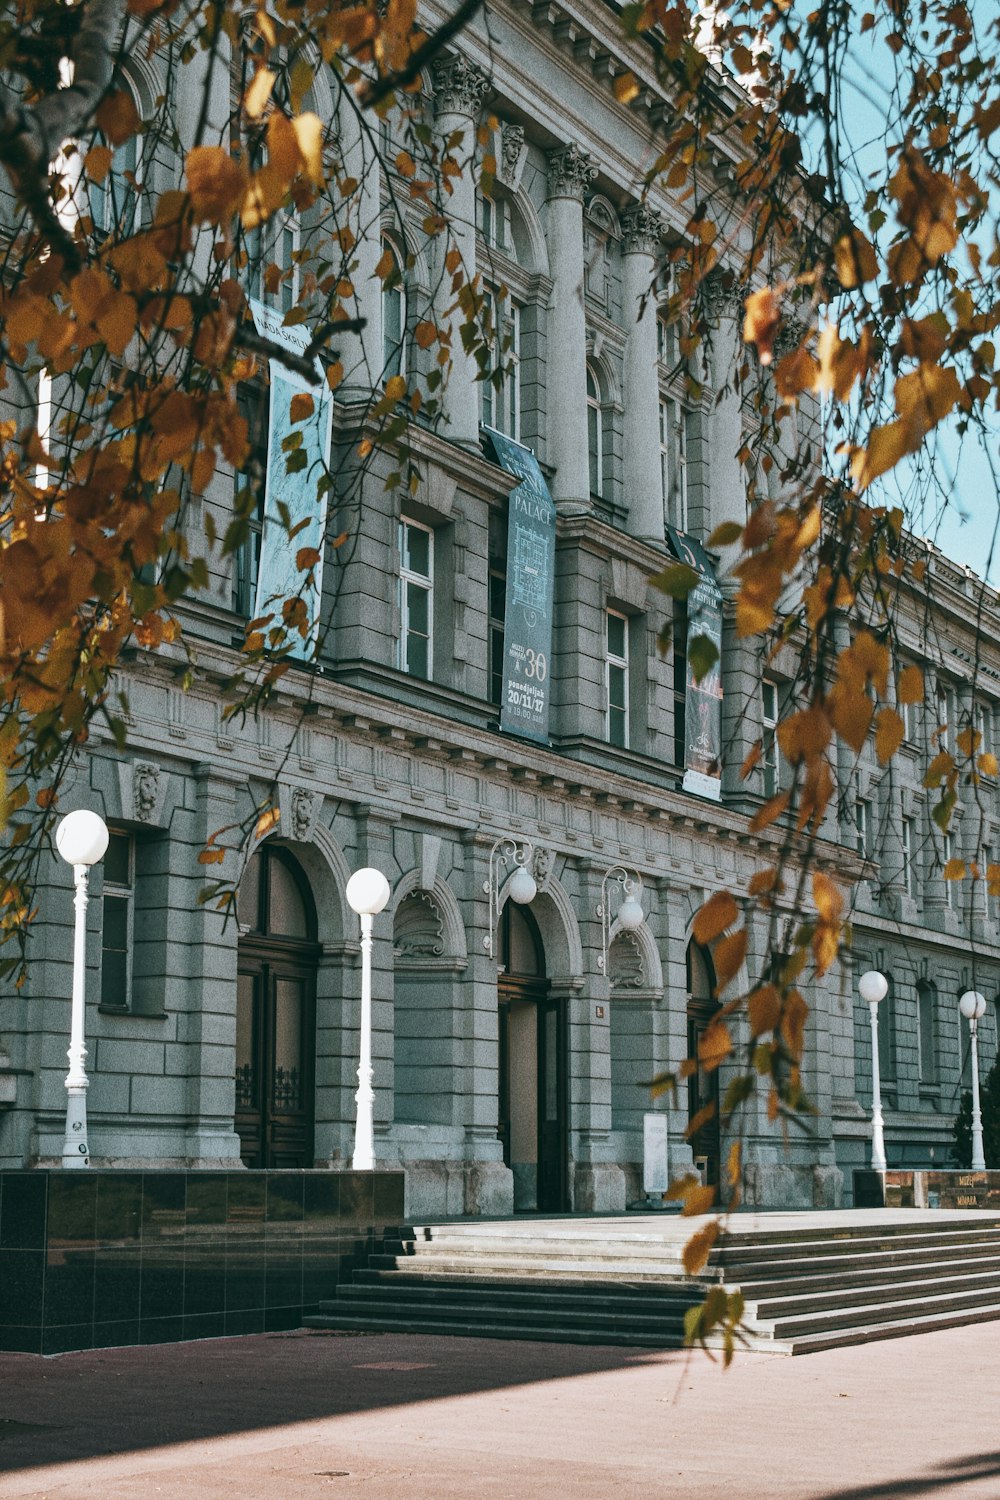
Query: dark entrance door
532,1069
276,1014
703,1088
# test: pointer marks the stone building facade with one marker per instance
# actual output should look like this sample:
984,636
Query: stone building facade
512,1052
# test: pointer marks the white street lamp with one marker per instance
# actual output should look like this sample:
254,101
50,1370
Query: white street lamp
523,889
973,1008
367,893
630,913
873,988
82,840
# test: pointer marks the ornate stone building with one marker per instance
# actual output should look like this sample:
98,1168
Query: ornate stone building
512,1052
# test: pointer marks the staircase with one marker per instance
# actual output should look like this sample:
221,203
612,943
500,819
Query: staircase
809,1282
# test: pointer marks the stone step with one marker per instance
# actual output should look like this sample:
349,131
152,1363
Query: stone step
587,1298
473,1284
985,1269
539,1331
597,1318
901,1328
792,1323
848,1262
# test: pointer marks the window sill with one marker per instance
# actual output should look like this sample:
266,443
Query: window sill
133,1015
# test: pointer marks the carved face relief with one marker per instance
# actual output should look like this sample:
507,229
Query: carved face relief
145,791
302,813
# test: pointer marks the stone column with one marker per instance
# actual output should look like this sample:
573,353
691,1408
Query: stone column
641,232
459,90
727,480
570,173
361,353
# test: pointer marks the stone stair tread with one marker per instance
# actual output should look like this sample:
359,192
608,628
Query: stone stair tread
788,1322
470,1284
778,1292
669,1320
897,1328
542,1333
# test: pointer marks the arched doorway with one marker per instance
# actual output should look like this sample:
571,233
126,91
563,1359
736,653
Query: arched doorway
703,1087
532,1066
276,1012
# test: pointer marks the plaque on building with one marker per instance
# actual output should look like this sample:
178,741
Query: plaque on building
703,696
294,507
531,552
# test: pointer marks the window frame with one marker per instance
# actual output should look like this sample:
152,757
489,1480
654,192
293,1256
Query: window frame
615,663
910,884
770,758
928,1069
674,418
500,404
595,433
252,399
394,361
409,577
114,891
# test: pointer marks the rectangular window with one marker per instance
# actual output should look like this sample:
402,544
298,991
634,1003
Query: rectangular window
942,727
987,858
248,492
862,827
501,387
769,724
497,620
673,462
981,722
616,680
887,1033
926,1041
906,714
909,837
416,597
949,885
116,922
679,638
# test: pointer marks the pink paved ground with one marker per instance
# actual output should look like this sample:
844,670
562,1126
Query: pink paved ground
417,1418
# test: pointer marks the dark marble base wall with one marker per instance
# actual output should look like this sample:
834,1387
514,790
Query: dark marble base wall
960,1188
96,1258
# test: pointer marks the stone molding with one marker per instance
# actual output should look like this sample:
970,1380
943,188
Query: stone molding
642,230
459,88
570,172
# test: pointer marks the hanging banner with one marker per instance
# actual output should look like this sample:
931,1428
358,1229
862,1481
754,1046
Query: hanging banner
291,500
702,700
531,559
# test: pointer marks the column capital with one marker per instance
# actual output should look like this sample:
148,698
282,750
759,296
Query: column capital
570,172
459,87
724,297
642,230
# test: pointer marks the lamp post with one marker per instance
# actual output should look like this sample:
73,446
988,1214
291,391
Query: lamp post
367,893
82,840
507,851
873,988
630,914
973,1007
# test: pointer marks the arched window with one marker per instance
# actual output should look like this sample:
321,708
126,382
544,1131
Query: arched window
595,432
114,201
393,315
927,1058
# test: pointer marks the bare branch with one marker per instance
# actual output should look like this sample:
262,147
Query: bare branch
430,47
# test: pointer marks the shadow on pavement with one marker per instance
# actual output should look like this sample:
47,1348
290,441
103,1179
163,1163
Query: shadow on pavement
109,1401
936,1481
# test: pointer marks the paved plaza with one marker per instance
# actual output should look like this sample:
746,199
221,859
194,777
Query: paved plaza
308,1415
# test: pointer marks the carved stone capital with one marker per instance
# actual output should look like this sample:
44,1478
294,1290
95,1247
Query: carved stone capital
459,88
723,298
570,172
642,230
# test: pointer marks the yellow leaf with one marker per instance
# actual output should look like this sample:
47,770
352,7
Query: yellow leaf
97,163
954,869
625,88
911,685
725,535
727,956
927,395
267,820
770,812
118,117
301,407
827,898
425,334
699,1247
760,323
886,446
211,856
309,134
734,1163
854,259
395,388
988,764
306,557
796,1011
719,912
888,734
764,1010
259,92
698,1200
216,183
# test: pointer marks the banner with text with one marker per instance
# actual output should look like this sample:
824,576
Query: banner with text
702,699
291,500
531,557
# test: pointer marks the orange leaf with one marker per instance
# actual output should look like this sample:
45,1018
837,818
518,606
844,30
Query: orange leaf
719,912
911,685
699,1247
301,407
698,1200
727,956
888,734
828,900
954,869
854,259
764,1010
216,183
118,117
760,324
267,820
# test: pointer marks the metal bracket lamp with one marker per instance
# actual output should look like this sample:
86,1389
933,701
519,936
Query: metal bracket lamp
506,852
630,914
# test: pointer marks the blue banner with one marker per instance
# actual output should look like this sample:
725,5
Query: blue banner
531,557
294,511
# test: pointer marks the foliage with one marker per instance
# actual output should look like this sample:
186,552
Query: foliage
989,1103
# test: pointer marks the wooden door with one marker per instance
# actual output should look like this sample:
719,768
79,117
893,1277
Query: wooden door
275,1026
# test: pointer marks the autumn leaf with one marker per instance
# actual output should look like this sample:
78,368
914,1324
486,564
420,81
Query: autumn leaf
760,323
300,407
699,1247
268,819
117,117
719,912
259,92
727,957
954,870
889,730
216,183
698,1200
886,446
910,688
854,259
764,1010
